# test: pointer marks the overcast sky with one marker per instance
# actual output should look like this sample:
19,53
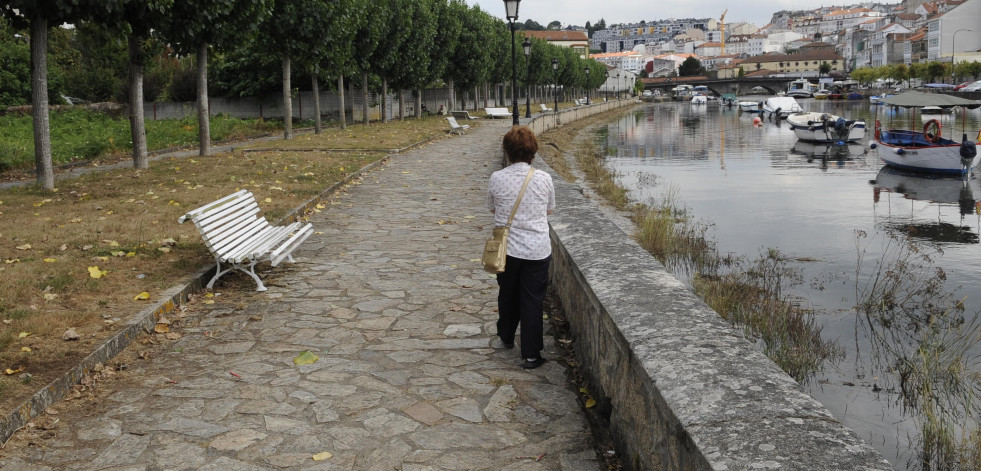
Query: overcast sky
578,12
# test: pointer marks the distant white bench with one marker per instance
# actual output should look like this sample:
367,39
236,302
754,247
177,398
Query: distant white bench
576,102
545,108
456,127
497,112
462,114
239,238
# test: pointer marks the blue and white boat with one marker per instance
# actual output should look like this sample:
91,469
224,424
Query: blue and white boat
926,150
826,127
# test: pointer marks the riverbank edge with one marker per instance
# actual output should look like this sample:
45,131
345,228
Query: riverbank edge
681,388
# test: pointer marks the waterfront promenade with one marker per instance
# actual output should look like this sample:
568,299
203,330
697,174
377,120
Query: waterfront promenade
390,297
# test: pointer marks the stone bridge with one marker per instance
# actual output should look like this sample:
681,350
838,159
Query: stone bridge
737,86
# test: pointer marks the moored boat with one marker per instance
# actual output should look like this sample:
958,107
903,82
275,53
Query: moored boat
825,127
800,88
750,106
821,94
699,100
926,150
780,107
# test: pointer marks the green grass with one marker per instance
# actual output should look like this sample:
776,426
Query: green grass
80,135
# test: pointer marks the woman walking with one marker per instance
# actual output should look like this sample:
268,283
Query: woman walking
529,250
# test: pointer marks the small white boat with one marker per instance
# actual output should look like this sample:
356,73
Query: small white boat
699,100
780,107
821,94
935,112
875,98
825,127
800,88
926,150
750,106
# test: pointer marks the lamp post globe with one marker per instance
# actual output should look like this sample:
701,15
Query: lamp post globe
511,12
587,84
555,78
526,45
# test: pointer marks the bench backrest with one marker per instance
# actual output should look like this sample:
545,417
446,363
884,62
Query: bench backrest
545,108
497,111
453,123
461,114
228,222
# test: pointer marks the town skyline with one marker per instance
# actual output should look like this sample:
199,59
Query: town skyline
578,12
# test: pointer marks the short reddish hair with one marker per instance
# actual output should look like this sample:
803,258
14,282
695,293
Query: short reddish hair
520,144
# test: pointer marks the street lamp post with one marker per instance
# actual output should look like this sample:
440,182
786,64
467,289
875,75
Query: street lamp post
511,11
587,84
555,78
953,52
526,45
616,91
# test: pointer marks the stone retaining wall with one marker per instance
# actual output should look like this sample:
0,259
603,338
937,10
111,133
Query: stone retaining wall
681,388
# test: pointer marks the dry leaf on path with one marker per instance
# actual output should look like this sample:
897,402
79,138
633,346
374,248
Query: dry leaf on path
322,456
305,358
94,272
143,295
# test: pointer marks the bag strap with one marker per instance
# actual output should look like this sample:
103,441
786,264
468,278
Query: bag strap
521,193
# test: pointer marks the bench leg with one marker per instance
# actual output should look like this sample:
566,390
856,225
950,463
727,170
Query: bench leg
251,272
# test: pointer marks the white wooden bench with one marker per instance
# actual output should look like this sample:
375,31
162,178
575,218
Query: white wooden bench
239,238
456,127
497,112
462,114
545,108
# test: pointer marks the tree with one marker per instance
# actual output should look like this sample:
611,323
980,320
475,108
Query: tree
530,25
293,28
450,23
472,60
556,24
741,73
195,26
824,69
39,14
414,58
691,67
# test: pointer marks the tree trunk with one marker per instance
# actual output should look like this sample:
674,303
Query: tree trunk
350,93
136,126
204,113
315,84
384,102
476,96
419,104
340,101
452,95
364,97
486,95
287,100
39,102
401,105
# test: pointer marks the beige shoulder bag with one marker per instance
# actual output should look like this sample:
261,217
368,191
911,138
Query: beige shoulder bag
495,249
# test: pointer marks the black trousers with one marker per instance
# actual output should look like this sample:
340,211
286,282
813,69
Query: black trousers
520,300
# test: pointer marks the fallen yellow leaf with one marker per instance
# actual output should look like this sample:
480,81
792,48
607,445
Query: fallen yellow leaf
25,349
268,200
94,272
23,334
50,296
11,260
322,456
143,295
305,358
590,403
161,328
9,371
50,260
24,247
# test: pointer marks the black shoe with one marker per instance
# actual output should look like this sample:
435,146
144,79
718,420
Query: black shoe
534,362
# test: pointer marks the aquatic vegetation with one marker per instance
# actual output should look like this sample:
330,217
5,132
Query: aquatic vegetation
919,333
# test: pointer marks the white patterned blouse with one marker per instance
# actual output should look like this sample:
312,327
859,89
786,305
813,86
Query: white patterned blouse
528,238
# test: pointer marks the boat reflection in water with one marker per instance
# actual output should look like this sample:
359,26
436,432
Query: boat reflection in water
941,194
828,153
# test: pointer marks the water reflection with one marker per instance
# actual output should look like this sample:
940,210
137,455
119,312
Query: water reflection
828,153
942,194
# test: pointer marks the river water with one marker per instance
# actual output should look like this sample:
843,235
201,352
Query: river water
761,188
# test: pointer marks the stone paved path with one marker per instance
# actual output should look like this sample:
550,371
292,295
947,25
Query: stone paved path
390,296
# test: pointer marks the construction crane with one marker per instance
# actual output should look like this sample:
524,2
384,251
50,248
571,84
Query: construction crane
722,30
